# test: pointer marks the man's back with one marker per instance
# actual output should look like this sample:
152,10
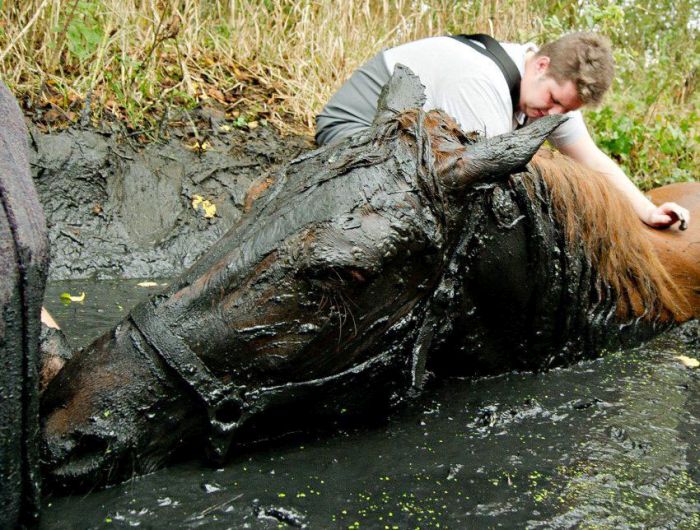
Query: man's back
461,81
466,84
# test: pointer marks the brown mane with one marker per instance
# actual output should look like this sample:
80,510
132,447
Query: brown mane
593,214
601,218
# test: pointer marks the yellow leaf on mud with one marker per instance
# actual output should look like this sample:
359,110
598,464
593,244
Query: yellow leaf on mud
689,362
68,298
252,124
147,284
199,147
209,209
205,205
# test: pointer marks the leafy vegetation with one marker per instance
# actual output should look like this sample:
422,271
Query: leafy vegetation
280,60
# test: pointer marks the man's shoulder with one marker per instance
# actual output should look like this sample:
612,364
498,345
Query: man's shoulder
570,131
442,57
440,49
446,54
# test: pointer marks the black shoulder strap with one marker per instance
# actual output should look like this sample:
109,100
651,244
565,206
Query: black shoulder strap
493,50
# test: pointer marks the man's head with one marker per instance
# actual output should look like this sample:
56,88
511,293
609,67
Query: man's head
566,74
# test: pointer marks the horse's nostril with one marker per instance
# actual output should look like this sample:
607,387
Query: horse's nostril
90,445
228,413
74,462
61,450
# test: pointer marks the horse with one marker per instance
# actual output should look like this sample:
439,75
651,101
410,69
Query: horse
366,268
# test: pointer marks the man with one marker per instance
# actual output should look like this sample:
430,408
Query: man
559,78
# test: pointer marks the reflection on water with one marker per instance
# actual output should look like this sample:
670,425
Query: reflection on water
610,443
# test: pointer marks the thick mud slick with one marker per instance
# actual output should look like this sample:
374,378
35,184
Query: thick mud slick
610,443
118,210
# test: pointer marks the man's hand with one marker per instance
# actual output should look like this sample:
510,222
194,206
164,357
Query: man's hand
585,152
667,214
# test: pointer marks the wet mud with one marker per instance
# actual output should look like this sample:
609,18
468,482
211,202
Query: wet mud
118,209
610,443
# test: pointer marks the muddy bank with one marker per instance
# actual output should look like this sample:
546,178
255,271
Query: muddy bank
118,209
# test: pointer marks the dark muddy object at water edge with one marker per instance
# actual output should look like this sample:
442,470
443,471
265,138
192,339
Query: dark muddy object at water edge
23,269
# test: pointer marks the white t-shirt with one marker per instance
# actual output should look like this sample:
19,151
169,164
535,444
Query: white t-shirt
471,88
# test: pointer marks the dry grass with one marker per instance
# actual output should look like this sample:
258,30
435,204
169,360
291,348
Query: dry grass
271,59
280,60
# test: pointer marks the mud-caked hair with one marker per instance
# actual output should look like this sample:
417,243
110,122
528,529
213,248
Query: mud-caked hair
586,60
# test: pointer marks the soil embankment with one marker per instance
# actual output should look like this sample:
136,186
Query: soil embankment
119,209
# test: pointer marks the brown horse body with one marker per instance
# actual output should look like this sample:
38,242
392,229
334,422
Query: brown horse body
679,251
368,265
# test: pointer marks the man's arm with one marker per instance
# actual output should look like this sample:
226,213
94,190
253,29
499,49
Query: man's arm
586,152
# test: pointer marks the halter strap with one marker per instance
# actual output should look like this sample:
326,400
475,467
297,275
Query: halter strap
223,402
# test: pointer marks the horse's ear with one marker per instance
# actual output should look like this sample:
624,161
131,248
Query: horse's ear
500,156
402,92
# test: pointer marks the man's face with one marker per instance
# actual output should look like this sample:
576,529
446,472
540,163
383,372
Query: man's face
541,95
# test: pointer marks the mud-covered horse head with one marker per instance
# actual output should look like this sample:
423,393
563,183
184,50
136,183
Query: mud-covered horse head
323,284
331,296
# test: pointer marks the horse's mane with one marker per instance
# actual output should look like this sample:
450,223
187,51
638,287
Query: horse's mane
594,215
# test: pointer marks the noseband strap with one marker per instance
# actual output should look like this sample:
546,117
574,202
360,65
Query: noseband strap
224,402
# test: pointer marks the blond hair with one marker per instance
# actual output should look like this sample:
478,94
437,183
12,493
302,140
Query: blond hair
586,60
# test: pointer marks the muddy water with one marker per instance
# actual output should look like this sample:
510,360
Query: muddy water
609,443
